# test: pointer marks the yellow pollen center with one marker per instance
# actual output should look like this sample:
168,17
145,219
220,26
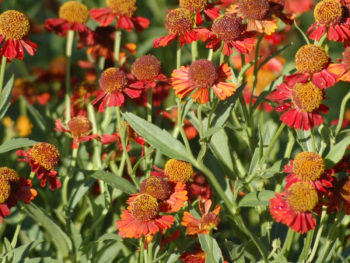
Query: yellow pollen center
5,190
74,12
179,21
254,9
146,67
144,207
156,187
8,174
113,80
178,171
79,126
311,59
202,73
308,166
193,5
14,24
45,154
302,197
24,126
307,97
328,12
227,27
122,7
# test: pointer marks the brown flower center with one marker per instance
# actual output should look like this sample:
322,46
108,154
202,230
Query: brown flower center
308,166
328,12
193,5
79,126
14,24
146,67
179,21
203,73
112,80
311,59
178,171
45,154
307,97
156,187
227,27
74,12
5,190
8,174
144,207
122,7
254,9
302,197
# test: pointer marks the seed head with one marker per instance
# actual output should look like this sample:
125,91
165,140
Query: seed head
146,67
308,166
14,24
302,197
203,73
307,97
178,171
74,12
179,21
311,59
227,27
122,7
144,207
113,80
45,154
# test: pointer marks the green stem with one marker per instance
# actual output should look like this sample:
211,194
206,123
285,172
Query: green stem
97,146
178,55
287,243
150,252
194,51
2,73
117,41
313,142
201,133
247,123
255,75
318,235
18,227
342,113
142,248
180,125
69,174
301,32
32,175
69,49
101,62
210,54
307,244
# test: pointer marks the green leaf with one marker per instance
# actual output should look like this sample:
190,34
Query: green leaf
42,260
257,198
109,236
21,252
114,181
157,138
337,152
79,192
57,235
39,119
5,97
211,249
219,146
14,144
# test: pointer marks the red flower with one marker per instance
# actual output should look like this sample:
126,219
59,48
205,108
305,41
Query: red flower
142,217
206,223
313,61
301,102
298,6
201,7
294,206
331,19
13,188
195,257
229,29
42,158
14,29
179,23
199,77
79,128
309,167
73,15
121,10
113,86
199,188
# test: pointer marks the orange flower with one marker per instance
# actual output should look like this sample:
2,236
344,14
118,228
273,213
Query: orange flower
199,77
206,223
342,69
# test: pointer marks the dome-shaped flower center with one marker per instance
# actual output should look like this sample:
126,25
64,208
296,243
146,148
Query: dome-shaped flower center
74,12
254,9
203,73
122,7
307,97
302,197
144,207
156,187
193,5
146,67
328,12
5,190
45,154
79,126
14,24
346,58
178,171
8,174
311,59
112,80
179,21
308,166
227,27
